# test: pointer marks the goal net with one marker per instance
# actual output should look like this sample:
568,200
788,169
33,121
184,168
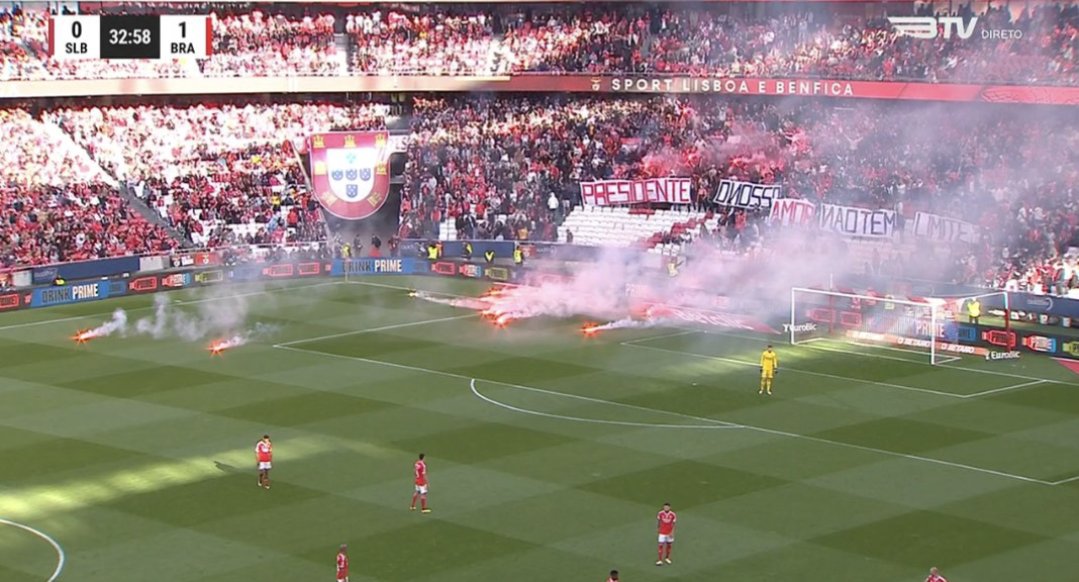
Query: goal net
928,327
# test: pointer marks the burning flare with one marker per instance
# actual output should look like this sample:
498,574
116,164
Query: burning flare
118,323
218,346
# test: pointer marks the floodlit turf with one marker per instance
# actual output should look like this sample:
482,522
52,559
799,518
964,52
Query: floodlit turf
136,455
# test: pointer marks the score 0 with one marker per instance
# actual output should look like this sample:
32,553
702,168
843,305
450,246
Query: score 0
75,37
186,36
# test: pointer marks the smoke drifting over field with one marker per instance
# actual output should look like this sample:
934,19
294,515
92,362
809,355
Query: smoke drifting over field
209,317
619,288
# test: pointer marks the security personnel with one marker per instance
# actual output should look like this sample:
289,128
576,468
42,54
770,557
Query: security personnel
489,256
974,310
518,255
346,251
467,252
432,251
59,281
672,267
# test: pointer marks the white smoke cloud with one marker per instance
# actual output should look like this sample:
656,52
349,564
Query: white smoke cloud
215,316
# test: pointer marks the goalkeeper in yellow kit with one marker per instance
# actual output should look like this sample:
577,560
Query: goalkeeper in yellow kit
769,367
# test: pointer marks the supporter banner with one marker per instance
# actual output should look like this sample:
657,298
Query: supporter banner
853,221
408,266
350,172
571,83
746,194
793,212
944,229
618,192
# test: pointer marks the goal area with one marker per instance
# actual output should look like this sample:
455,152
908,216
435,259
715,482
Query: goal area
926,328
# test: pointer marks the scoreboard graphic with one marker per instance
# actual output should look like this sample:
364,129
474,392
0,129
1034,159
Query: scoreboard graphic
130,36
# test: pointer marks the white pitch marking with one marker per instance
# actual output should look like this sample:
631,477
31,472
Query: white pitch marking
715,425
375,329
518,386
1006,388
732,425
1063,481
192,302
943,364
821,374
61,558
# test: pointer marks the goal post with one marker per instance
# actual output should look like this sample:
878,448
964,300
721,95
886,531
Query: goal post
927,326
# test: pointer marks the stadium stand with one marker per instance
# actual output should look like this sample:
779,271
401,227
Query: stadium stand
724,40
58,205
218,173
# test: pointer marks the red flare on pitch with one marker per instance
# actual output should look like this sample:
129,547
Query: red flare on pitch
82,336
590,329
503,320
217,347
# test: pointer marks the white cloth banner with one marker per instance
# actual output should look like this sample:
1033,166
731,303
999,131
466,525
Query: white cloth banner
944,229
793,212
618,192
853,221
746,194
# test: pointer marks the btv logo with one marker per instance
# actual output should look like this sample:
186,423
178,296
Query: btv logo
798,328
926,26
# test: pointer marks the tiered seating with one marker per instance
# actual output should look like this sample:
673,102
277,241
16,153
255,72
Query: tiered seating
58,205
620,226
776,40
218,173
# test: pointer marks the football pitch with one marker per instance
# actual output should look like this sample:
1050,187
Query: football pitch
549,453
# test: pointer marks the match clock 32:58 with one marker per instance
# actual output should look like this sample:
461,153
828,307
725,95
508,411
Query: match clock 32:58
130,36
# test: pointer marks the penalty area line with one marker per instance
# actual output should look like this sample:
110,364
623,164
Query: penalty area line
374,329
698,418
1006,388
61,557
711,421
1063,481
638,345
489,400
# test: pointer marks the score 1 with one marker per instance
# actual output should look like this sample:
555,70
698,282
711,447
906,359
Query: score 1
186,36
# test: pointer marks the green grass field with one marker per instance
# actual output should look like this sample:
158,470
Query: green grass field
549,453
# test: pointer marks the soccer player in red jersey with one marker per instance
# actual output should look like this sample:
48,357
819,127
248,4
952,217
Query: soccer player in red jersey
421,486
613,577
665,521
264,458
934,576
342,564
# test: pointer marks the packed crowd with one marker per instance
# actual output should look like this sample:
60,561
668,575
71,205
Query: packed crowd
509,168
457,44
218,173
715,40
267,45
57,205
492,166
801,43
